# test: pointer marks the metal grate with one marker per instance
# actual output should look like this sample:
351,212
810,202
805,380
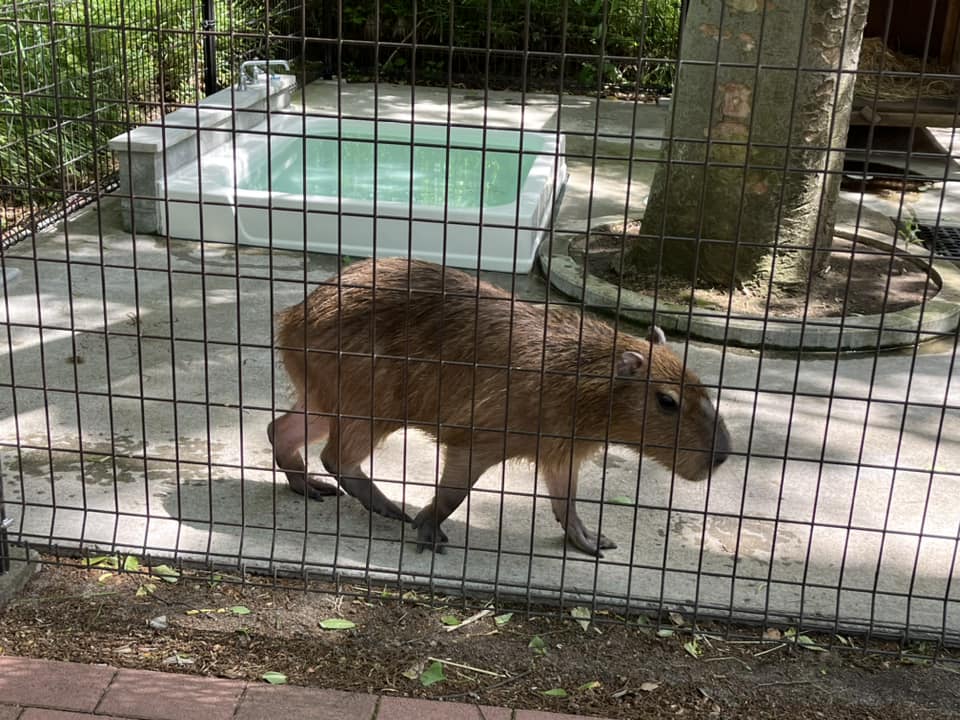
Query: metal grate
943,240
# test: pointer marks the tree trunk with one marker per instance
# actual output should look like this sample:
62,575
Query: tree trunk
750,181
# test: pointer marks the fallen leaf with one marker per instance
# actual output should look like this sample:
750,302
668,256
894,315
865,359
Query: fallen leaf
582,616
592,685
337,624
450,620
693,647
178,659
807,643
432,674
502,619
166,573
107,561
159,622
274,678
556,692
537,645
649,686
804,641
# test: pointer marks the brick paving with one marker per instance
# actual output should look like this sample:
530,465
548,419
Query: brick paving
49,690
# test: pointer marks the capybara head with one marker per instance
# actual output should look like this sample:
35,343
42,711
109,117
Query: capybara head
664,406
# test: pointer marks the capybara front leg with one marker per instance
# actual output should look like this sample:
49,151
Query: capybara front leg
460,471
288,435
349,445
563,497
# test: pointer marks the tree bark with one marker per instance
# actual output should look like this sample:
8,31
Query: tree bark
751,170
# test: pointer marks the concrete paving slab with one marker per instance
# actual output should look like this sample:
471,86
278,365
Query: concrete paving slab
157,696
38,714
396,708
24,681
138,379
270,702
845,474
540,715
170,696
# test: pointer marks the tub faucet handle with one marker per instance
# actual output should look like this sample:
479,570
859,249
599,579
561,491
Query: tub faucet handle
252,70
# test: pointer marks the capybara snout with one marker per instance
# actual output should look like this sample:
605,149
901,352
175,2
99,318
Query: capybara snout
394,343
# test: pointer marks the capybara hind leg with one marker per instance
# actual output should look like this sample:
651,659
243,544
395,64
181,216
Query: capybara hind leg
461,470
288,435
349,445
563,497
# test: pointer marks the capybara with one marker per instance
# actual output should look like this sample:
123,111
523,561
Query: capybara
397,343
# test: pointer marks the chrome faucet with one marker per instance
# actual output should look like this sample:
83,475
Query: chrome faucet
250,70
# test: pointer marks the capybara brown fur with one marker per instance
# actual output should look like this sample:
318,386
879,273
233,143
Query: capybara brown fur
397,343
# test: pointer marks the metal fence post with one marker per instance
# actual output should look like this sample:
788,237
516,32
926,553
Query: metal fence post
5,522
209,48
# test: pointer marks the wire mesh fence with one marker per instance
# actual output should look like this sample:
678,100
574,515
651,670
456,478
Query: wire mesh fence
701,289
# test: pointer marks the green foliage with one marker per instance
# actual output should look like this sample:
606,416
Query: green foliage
628,42
74,73
246,31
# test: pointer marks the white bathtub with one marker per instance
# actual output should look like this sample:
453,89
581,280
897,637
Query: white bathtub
241,202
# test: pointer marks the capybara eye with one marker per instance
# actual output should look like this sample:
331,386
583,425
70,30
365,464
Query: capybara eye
667,401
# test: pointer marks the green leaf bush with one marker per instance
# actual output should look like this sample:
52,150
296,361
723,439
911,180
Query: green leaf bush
74,73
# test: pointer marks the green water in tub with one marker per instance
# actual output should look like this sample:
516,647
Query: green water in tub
439,175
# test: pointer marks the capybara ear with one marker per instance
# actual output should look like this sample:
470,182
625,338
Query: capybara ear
629,363
656,336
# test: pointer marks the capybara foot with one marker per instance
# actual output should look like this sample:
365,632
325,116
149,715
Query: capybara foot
292,465
311,487
363,489
429,534
588,541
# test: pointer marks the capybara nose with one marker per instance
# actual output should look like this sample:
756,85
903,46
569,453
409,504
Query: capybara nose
721,447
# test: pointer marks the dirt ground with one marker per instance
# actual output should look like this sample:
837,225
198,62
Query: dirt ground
861,280
234,627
